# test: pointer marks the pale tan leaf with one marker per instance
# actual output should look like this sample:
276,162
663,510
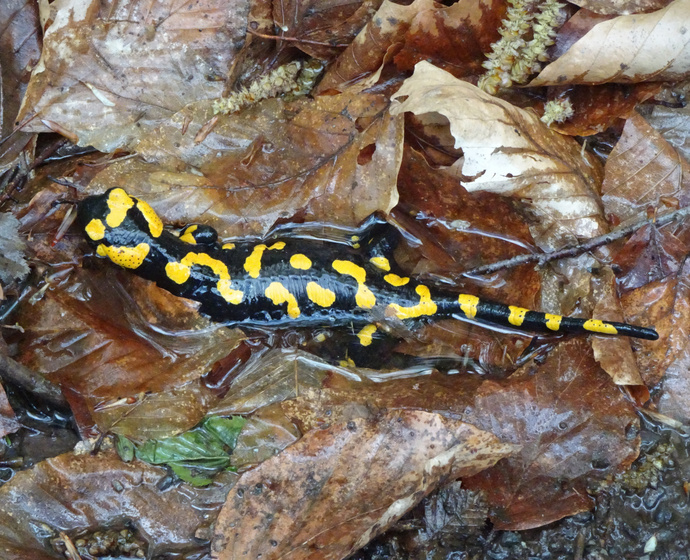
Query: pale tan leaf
337,488
627,49
111,70
621,7
509,151
642,172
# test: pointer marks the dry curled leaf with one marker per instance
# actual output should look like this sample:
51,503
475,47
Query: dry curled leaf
627,49
510,151
339,487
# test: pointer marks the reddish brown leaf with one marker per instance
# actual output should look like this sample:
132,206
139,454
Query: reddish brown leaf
337,488
8,421
85,493
574,426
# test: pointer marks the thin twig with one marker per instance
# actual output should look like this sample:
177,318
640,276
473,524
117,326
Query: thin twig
29,380
296,40
568,252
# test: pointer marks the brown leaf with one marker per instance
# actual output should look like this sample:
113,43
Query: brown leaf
626,49
454,37
666,305
621,7
613,353
110,72
367,52
92,337
272,161
335,23
8,421
78,493
643,171
511,153
335,489
574,426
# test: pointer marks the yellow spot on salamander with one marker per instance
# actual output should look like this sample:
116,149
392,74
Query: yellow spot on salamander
126,257
517,315
95,229
253,263
395,280
468,305
228,246
118,204
364,297
279,294
381,262
300,261
320,337
348,363
366,335
319,295
425,306
152,219
597,326
187,236
179,272
552,322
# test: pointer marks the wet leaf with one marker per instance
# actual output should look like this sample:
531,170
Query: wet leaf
512,153
643,171
329,501
110,72
197,455
8,421
621,7
77,493
573,425
626,49
12,250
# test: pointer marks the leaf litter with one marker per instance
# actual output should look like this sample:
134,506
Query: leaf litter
470,178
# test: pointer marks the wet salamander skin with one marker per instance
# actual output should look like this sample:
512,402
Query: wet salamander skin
293,282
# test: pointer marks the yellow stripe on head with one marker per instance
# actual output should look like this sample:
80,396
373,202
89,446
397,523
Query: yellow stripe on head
118,204
187,236
95,229
597,326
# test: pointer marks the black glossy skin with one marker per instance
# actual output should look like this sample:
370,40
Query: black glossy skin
254,308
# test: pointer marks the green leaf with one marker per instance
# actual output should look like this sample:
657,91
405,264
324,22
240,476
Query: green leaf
125,448
225,429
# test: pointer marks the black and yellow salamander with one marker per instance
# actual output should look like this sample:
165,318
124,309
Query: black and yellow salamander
292,282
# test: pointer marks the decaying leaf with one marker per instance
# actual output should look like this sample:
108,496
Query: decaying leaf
12,250
621,7
510,151
110,71
339,487
644,173
573,425
76,494
627,49
8,421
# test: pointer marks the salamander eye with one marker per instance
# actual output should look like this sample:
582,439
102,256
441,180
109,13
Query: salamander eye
197,234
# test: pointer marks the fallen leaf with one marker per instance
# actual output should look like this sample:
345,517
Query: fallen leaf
626,49
111,72
315,497
8,421
574,426
642,172
621,7
73,494
672,123
512,153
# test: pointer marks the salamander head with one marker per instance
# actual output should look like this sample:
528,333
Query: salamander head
119,226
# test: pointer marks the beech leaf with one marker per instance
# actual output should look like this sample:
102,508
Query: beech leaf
627,49
339,487
510,151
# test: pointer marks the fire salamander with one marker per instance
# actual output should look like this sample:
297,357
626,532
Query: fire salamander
296,282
